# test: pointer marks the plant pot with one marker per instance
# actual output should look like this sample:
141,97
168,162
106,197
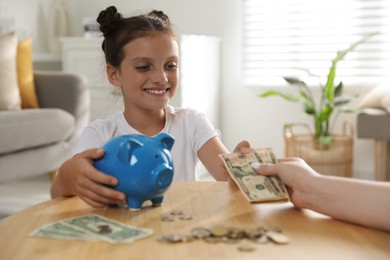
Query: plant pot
335,158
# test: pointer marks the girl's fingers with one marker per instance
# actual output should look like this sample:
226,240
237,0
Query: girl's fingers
99,177
94,188
243,147
106,198
95,153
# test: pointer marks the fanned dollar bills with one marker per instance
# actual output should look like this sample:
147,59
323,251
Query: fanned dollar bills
92,227
255,187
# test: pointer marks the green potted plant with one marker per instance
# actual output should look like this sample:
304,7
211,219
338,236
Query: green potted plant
331,97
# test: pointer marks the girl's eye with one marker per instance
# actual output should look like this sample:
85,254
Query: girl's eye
142,68
171,66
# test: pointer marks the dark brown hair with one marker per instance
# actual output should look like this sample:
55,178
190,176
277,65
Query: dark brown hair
118,31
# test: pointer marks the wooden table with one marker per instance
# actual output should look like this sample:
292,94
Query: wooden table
312,235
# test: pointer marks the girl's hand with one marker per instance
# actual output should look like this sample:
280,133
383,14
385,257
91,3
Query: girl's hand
78,176
243,147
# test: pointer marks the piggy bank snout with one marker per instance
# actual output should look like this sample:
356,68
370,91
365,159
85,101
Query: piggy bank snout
163,176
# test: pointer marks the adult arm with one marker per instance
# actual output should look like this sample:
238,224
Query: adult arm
357,201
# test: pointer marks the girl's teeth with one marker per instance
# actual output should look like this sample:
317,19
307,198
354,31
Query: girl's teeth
156,92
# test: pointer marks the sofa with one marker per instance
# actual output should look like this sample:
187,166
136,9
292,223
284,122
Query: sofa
37,141
374,123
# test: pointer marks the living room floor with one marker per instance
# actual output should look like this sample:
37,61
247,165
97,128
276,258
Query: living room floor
18,195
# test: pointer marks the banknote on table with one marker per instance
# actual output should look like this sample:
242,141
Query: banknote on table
255,187
92,227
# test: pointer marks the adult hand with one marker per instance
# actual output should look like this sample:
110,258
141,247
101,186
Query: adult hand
295,173
78,176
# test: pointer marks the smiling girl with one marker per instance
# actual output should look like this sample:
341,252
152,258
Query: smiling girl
142,56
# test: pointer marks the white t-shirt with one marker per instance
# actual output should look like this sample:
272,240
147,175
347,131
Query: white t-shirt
190,128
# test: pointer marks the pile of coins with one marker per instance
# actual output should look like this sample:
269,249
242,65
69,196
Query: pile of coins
230,235
221,233
176,212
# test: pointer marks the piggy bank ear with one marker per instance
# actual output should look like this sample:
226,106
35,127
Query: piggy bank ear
126,149
165,140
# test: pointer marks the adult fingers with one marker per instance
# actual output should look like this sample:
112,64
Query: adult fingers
264,169
289,159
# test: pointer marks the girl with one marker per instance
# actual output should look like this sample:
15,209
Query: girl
142,56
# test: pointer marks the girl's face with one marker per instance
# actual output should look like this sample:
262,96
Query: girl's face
148,74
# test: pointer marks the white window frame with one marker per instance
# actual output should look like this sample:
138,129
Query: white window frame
281,37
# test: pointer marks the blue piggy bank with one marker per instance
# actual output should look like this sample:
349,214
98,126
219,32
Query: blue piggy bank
142,165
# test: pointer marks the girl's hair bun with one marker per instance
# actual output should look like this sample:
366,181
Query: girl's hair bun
108,20
160,14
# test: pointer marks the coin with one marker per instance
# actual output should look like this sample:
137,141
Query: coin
245,247
229,240
200,232
174,238
254,234
185,217
263,239
186,238
177,212
167,218
262,229
278,238
219,230
212,240
162,238
235,233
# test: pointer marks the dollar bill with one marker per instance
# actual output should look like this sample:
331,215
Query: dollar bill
255,187
92,227
62,231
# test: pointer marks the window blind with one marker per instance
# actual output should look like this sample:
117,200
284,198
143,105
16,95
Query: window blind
287,37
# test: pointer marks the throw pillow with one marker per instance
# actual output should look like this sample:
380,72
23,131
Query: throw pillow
378,97
9,90
26,75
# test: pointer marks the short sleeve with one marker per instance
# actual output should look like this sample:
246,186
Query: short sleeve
203,131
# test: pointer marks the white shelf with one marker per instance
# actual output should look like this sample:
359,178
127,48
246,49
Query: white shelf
84,56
